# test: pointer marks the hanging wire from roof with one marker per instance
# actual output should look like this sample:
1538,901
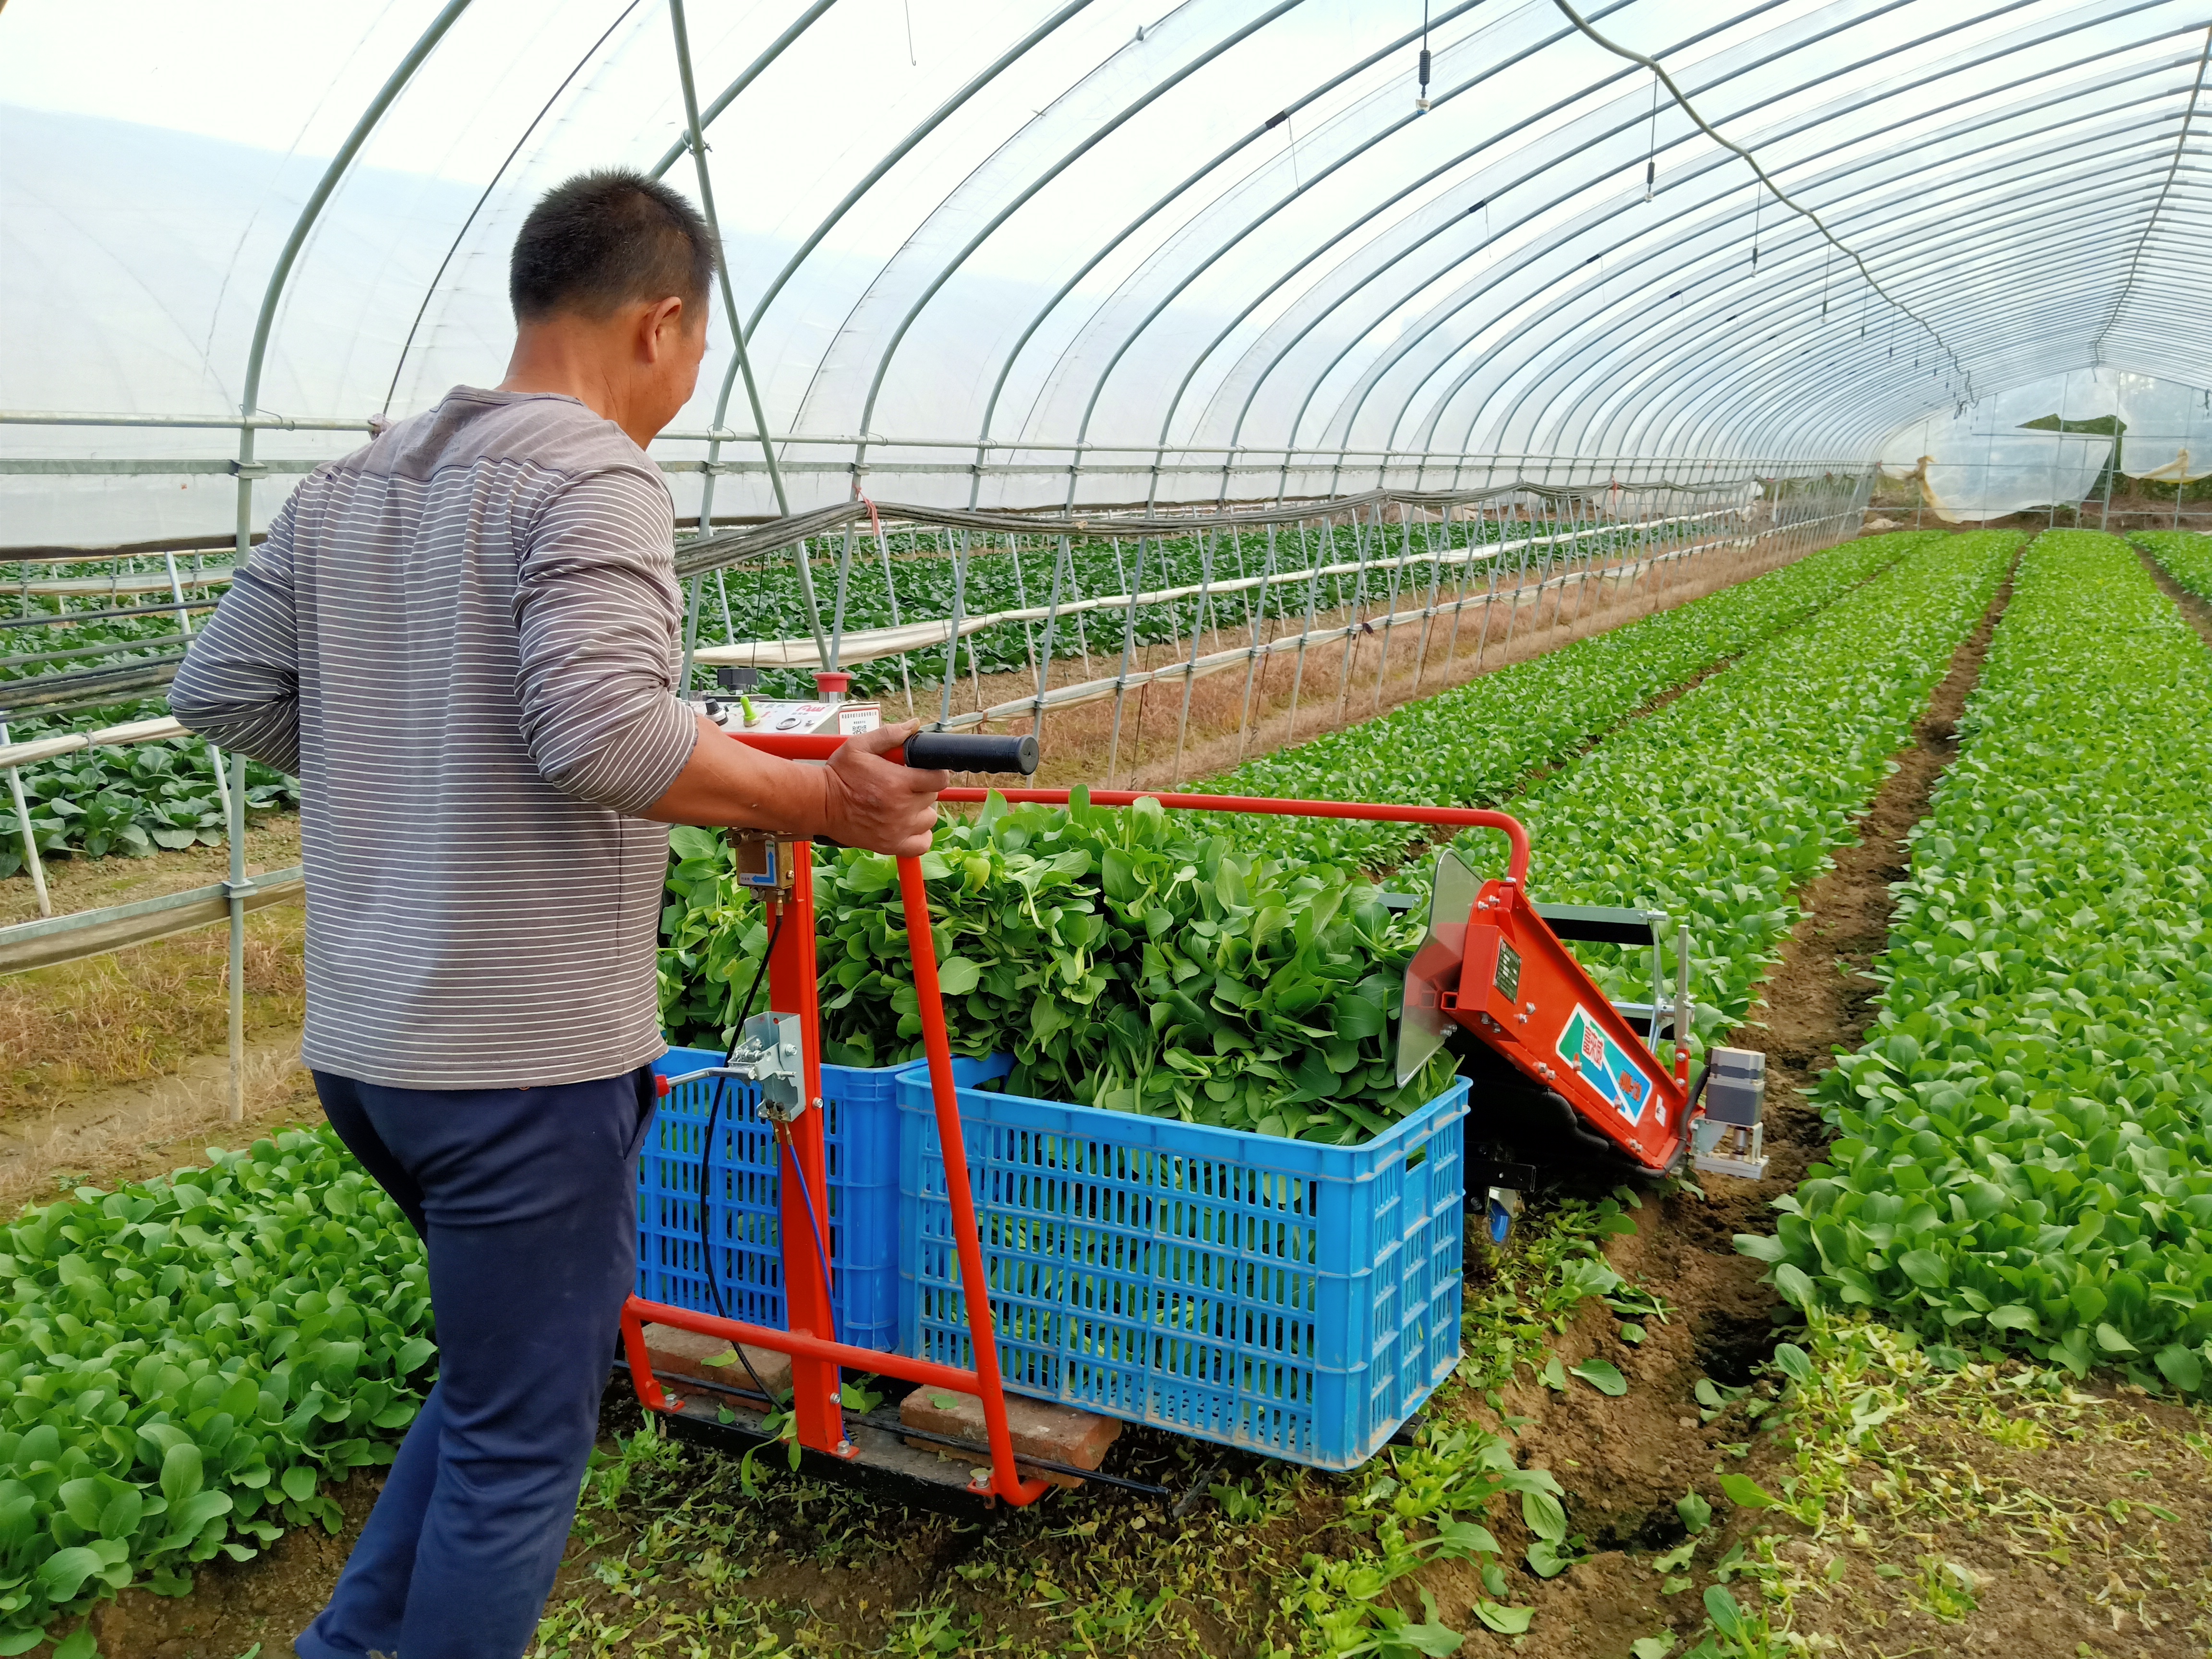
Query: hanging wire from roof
2150,224
1780,195
1651,144
1421,101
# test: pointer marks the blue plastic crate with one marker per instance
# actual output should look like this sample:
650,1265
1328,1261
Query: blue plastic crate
861,1150
1292,1299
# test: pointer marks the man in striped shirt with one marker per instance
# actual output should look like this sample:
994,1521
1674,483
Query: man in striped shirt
463,641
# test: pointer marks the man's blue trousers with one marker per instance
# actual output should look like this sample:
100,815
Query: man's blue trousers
526,1200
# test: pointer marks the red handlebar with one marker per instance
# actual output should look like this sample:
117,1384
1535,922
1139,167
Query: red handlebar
1457,817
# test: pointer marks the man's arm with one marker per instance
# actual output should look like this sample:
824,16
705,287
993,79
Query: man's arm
858,800
596,610
239,684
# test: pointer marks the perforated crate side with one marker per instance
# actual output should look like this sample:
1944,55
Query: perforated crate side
861,1152
1294,1299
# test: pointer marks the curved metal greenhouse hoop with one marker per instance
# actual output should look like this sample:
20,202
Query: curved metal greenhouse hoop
1654,360
1972,185
1013,354
430,288
250,399
1348,418
1097,135
1637,119
774,50
1222,248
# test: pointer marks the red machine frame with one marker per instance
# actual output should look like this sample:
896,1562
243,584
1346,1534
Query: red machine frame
1502,911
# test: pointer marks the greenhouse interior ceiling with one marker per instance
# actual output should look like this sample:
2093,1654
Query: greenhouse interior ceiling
1021,256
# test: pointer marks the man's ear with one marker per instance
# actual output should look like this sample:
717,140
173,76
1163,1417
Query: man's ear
660,327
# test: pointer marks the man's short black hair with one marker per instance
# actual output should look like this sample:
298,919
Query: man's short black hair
610,238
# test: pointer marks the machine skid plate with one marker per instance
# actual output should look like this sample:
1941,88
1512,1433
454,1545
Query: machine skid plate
1522,991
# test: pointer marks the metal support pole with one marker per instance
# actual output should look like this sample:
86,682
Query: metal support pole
1060,563
1359,620
691,636
247,470
1252,661
1128,641
1397,591
1496,561
890,590
1190,669
953,638
238,886
30,841
697,144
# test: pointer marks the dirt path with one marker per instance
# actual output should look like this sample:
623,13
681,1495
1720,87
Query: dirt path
136,1130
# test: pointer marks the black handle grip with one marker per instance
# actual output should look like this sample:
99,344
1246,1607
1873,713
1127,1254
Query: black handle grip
962,751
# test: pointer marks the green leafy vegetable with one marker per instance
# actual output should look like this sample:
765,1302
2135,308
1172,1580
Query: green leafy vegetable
1603,1375
183,1363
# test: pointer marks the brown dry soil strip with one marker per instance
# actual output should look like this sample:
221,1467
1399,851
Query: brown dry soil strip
2198,613
1624,1461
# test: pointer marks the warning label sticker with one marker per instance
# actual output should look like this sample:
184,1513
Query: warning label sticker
1602,1064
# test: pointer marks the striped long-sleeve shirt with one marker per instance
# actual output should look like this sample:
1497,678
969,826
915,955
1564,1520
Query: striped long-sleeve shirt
462,640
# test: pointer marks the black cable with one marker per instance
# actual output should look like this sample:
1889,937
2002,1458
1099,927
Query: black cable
1697,1092
806,1197
707,1153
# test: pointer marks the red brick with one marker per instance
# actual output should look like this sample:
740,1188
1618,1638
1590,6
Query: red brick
1060,1432
676,1352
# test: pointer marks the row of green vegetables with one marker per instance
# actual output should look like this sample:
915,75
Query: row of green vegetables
1470,745
2025,1151
2186,554
88,639
1143,961
127,801
132,801
1719,808
184,1364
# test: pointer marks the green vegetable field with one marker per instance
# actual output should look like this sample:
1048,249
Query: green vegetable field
1729,1177
2015,1169
919,575
2025,1150
1720,806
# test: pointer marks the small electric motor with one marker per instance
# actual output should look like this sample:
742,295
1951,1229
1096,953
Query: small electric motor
1731,1134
